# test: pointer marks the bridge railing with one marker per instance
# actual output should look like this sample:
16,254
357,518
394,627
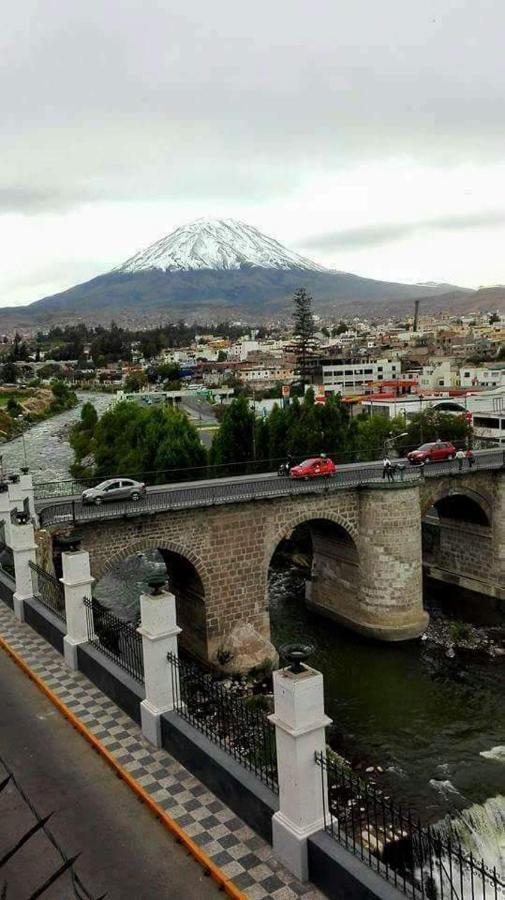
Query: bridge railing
6,554
212,494
48,590
116,638
215,493
239,725
421,861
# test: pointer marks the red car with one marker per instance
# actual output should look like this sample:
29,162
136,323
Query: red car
434,452
314,468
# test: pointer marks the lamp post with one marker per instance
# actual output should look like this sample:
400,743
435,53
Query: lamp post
421,398
20,419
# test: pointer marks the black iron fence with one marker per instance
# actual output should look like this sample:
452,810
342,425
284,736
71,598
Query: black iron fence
422,862
48,590
116,638
6,554
239,725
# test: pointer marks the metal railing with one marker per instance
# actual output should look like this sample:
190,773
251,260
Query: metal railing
211,493
422,862
236,724
116,638
48,590
6,554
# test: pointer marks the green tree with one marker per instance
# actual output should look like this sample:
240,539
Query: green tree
14,408
63,396
146,442
135,382
303,332
233,443
433,424
373,431
9,373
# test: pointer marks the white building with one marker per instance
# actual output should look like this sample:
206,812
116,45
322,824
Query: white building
352,378
482,377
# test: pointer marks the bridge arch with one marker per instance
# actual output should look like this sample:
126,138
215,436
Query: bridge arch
334,585
305,518
462,496
188,580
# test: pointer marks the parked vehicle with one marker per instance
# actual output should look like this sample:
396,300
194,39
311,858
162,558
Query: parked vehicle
433,452
114,489
316,467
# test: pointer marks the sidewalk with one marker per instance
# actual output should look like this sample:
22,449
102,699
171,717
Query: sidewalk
231,844
124,851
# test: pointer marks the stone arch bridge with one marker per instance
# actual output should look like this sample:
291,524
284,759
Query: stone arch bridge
367,548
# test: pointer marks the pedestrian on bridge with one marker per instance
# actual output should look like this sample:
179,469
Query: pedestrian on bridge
470,457
460,456
387,469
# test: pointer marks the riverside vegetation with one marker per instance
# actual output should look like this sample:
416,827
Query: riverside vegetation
22,407
134,440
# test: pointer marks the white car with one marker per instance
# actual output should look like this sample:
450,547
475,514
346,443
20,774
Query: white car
114,489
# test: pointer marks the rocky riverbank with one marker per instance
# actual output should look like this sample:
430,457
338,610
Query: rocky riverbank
462,640
20,408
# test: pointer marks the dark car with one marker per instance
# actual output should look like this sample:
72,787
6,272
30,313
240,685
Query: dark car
114,489
433,452
315,467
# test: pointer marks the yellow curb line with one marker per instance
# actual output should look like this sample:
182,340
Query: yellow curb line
225,883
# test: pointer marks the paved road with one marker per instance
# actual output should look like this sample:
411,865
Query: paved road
124,850
237,489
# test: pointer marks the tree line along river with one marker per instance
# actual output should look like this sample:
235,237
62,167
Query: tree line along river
435,726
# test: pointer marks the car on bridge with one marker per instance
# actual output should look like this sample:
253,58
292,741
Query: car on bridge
114,489
315,467
433,452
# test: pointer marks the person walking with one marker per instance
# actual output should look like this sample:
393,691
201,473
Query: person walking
470,457
460,456
387,469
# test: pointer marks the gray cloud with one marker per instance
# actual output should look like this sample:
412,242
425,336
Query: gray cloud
191,96
387,232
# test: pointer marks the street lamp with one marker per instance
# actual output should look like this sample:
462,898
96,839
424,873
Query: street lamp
421,398
20,419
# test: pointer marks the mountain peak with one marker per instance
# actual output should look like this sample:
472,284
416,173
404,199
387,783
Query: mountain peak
220,244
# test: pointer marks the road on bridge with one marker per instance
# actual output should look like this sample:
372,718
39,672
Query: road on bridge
239,489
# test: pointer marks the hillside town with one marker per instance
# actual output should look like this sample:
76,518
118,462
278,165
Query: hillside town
452,364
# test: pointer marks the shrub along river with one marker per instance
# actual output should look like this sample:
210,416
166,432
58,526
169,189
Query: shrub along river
434,725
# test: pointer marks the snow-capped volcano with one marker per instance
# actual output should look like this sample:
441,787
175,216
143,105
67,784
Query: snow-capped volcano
218,244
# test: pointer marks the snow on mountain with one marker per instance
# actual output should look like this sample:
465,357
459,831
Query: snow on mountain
216,244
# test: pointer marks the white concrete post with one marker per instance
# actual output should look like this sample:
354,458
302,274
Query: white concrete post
300,724
159,632
77,582
27,490
22,541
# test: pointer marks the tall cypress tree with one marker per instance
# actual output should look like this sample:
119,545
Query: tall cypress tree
304,332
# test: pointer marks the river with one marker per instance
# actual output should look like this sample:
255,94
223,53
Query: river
436,726
48,453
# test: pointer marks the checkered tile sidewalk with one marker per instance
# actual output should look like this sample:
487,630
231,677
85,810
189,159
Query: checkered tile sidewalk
232,845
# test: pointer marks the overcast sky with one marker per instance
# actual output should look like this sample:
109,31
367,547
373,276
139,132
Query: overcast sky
369,136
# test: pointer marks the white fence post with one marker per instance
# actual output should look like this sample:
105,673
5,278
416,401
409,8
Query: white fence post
159,632
300,724
22,541
77,582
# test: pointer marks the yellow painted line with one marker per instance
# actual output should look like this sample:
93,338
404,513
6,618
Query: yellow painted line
210,868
